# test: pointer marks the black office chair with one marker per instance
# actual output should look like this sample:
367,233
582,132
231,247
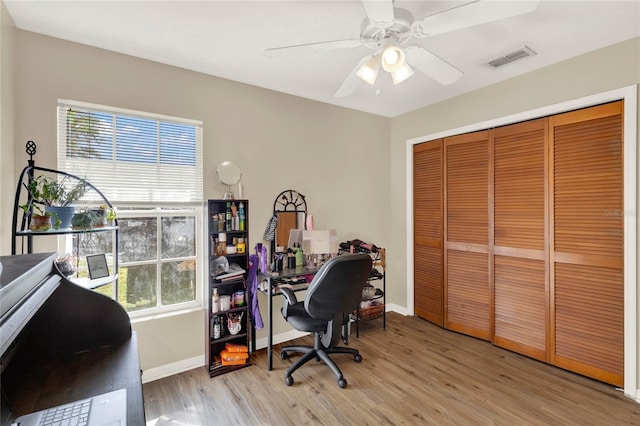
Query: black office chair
334,292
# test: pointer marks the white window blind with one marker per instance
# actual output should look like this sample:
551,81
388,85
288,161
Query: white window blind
132,157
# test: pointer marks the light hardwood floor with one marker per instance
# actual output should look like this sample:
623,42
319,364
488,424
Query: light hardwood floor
412,373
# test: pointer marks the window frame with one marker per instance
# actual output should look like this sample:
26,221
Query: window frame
156,209
159,212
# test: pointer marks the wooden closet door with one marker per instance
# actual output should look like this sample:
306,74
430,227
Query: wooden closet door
466,251
587,242
428,231
519,258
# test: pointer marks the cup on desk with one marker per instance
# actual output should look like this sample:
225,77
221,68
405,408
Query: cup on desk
279,263
291,262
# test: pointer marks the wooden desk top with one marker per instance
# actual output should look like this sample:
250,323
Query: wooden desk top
32,383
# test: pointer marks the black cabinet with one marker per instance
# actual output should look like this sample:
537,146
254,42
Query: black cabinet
228,324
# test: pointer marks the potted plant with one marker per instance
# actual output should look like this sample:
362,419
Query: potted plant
85,220
104,215
40,220
111,217
57,196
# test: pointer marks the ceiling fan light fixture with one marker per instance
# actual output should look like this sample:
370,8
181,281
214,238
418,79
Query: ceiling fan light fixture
392,58
401,74
368,72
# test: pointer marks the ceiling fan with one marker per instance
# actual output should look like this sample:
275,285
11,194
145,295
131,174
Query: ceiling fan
386,30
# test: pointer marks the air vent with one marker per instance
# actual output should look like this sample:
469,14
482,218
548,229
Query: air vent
516,55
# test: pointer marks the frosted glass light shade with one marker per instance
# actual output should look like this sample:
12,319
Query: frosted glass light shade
368,72
392,58
403,73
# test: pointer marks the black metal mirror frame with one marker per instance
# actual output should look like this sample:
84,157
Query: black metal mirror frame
289,201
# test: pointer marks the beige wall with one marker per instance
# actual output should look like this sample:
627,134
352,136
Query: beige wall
7,186
337,158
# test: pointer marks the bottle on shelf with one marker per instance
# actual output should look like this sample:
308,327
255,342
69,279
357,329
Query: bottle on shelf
228,217
222,244
234,217
241,246
217,327
221,222
214,221
241,216
215,301
299,256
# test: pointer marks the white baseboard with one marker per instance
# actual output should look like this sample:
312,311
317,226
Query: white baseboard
174,368
392,307
188,364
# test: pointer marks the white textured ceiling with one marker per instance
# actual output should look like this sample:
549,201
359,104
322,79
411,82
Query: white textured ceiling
227,39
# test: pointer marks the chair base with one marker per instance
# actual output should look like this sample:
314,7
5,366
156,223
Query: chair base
320,353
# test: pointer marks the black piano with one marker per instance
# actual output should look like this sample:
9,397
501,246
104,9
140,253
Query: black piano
60,342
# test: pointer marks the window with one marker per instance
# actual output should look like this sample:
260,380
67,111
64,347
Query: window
150,168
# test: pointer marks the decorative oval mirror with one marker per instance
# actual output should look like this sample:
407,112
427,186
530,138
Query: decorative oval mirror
228,174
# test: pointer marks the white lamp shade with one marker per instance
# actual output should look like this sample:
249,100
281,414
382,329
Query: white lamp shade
392,58
403,73
368,72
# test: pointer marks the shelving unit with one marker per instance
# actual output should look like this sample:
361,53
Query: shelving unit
227,287
21,231
373,307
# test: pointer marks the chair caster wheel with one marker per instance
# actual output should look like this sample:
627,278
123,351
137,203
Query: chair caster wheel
357,358
342,383
284,355
288,380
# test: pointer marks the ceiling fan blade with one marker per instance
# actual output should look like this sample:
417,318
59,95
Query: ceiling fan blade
431,65
352,82
311,47
470,14
379,12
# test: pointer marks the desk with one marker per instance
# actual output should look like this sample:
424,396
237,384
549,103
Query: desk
272,280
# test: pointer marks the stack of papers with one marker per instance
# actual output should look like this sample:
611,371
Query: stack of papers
233,271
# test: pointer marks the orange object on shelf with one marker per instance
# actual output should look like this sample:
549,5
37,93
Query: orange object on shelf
233,347
233,358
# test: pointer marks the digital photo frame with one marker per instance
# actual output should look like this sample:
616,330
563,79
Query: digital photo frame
97,265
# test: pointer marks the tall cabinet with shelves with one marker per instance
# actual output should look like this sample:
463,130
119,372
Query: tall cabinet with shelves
228,327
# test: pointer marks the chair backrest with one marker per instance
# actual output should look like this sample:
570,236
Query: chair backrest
336,288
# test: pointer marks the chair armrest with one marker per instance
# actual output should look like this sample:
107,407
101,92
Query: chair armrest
290,298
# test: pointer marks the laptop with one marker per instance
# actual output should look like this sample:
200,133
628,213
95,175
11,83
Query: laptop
107,409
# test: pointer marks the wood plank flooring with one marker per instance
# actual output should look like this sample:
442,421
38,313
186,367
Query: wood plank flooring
412,373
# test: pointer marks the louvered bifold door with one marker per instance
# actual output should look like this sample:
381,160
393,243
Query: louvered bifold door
428,231
519,273
587,242
467,294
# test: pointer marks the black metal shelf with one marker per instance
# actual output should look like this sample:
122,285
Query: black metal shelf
227,287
